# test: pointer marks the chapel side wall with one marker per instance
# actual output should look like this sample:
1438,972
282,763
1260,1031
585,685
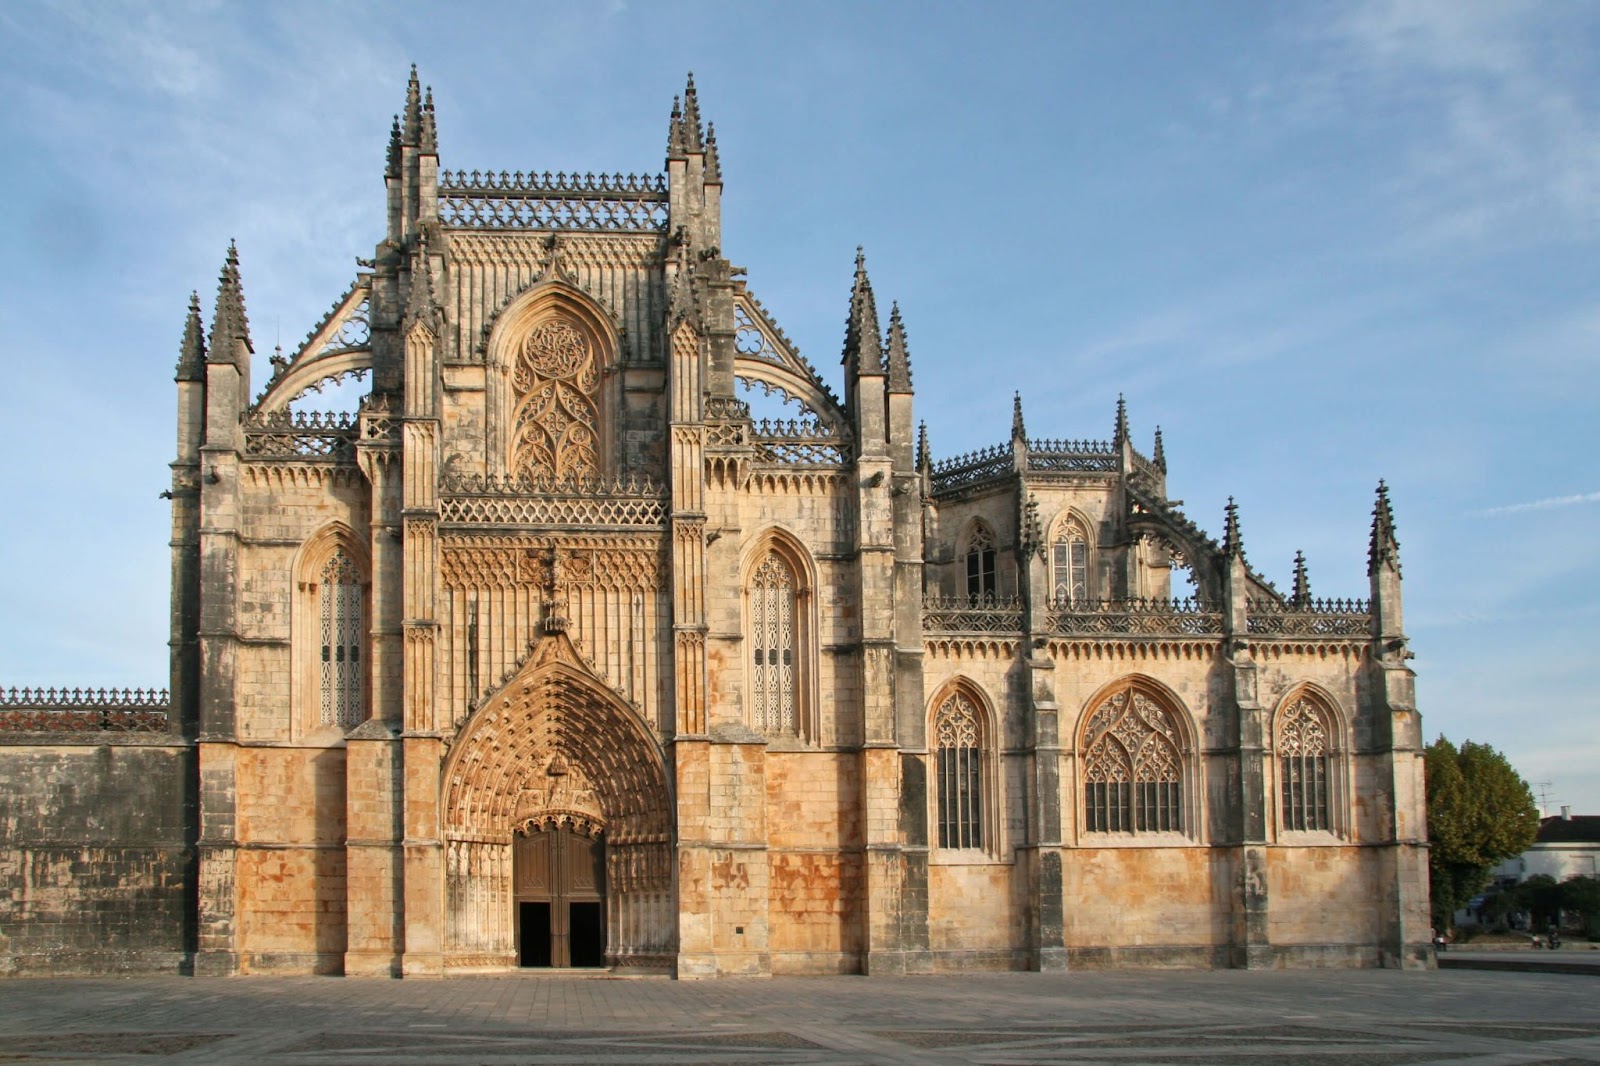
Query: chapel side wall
289,770
96,864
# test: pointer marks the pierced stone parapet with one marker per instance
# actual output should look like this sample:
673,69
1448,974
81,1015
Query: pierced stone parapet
1314,618
517,201
301,435
1074,456
964,614
81,710
524,500
985,464
1135,617
802,441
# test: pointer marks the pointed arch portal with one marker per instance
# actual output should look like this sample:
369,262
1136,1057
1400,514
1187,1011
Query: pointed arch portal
557,823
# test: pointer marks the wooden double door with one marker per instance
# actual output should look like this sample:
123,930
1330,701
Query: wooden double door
560,894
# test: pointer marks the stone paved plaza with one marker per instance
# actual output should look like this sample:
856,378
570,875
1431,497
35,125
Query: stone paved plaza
1308,1018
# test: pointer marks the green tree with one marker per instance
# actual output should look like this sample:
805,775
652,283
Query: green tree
1540,896
1480,813
1581,894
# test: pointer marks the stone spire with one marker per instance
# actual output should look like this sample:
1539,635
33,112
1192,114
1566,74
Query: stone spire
1301,596
421,307
713,170
1232,542
924,457
430,130
1019,431
192,353
862,353
1158,458
412,133
230,328
677,143
1120,434
1384,549
693,132
898,359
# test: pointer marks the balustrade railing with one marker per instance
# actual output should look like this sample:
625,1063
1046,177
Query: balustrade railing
301,435
614,202
1310,618
1138,617
84,710
970,614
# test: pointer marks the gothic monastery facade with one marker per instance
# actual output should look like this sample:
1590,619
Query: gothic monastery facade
555,653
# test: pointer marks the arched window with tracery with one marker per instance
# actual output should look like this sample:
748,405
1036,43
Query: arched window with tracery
1307,743
1133,766
980,563
1069,563
774,696
556,422
958,730
339,605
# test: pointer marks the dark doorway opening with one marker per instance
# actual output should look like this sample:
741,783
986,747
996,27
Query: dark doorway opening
587,934
533,933
559,878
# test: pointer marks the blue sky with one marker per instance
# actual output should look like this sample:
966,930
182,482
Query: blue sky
1318,244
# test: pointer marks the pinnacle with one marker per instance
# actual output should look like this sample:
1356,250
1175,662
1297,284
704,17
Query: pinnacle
862,347
413,113
1232,541
1384,546
924,458
897,362
713,169
1019,430
430,131
192,352
230,328
1301,596
1121,433
1159,456
392,161
693,132
677,143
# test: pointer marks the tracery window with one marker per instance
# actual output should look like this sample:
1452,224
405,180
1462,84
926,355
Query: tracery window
1132,767
1069,564
958,740
774,699
980,558
1307,738
556,424
339,598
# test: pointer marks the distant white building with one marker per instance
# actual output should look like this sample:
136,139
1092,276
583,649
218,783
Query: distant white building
1568,845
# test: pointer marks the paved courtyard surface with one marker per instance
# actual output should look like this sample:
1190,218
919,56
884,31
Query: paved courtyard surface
1303,1018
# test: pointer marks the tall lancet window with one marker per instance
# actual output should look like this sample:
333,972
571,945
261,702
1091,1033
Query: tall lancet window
958,739
339,604
1069,564
773,699
1306,735
980,564
1132,767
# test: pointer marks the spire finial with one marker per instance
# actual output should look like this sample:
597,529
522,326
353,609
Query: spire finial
924,457
1232,541
1121,433
713,163
413,126
192,352
391,167
230,328
1159,457
897,361
863,352
677,143
1019,431
1301,597
1384,548
430,130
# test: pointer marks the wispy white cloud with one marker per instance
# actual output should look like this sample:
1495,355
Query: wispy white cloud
1549,503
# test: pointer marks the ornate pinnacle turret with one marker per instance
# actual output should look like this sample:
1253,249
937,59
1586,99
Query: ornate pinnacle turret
694,135
862,351
192,353
412,131
1232,542
230,328
1301,596
924,457
897,361
1120,434
1019,431
391,168
1159,457
420,304
430,130
713,163
1384,547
